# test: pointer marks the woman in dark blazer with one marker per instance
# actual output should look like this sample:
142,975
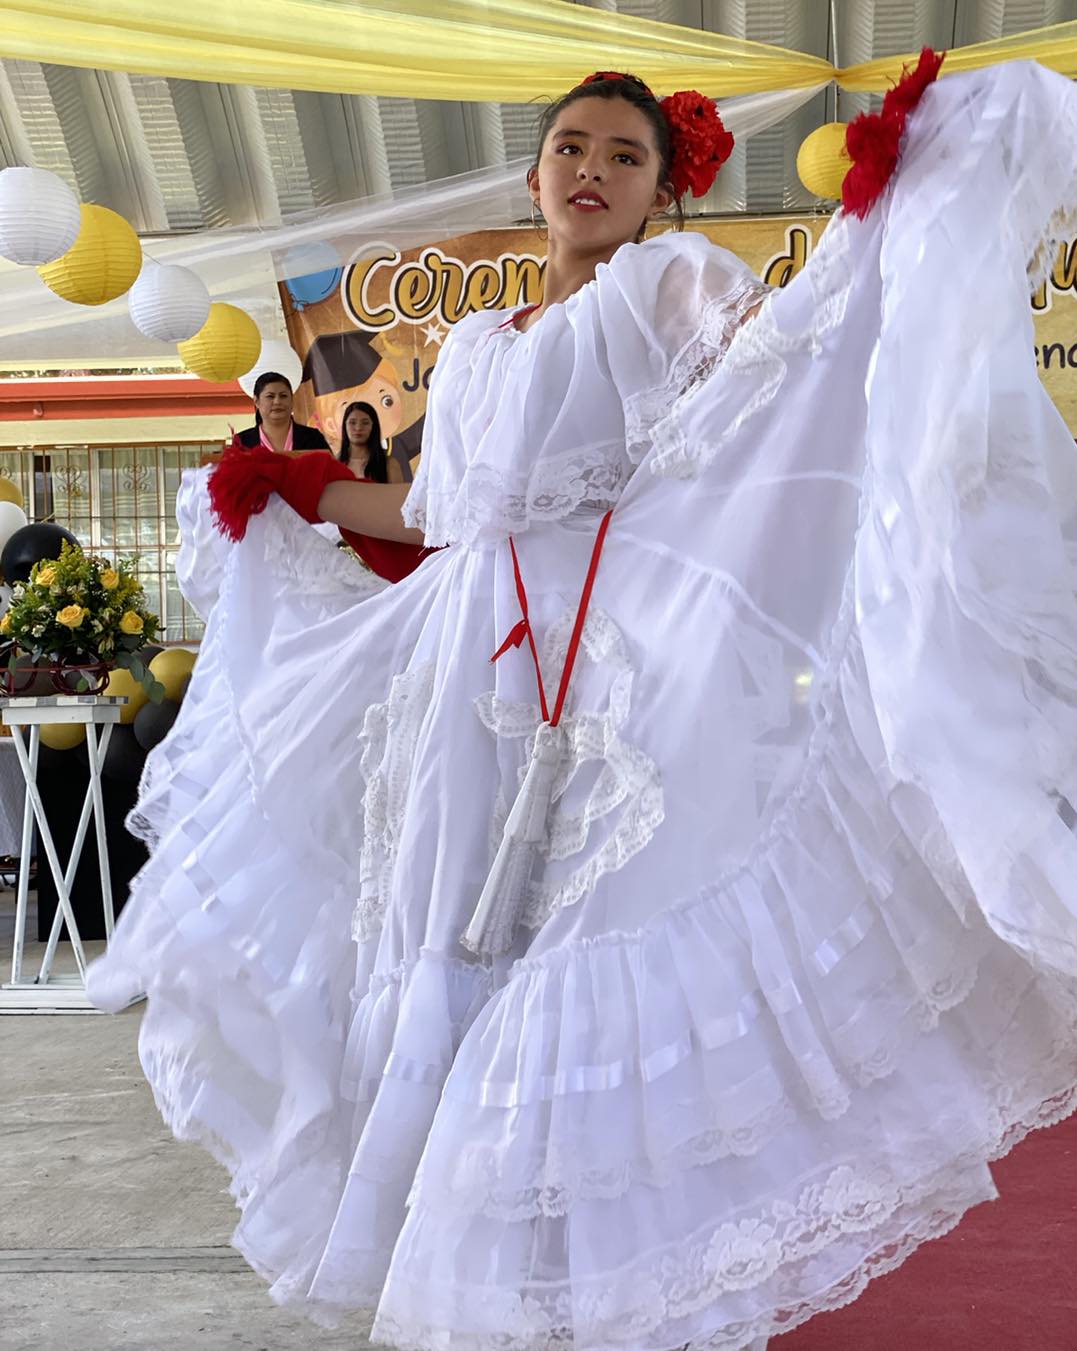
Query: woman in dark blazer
274,427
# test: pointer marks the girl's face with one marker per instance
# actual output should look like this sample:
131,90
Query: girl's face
597,175
358,427
275,402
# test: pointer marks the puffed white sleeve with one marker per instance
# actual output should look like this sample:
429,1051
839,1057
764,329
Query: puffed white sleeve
203,550
670,308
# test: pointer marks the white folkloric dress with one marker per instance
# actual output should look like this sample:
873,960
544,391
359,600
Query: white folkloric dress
798,954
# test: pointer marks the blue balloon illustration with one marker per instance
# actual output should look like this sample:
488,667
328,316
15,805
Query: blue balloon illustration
313,287
314,273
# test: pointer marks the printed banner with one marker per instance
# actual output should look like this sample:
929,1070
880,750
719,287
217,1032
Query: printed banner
376,335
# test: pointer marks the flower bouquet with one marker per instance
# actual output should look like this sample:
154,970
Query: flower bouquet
78,618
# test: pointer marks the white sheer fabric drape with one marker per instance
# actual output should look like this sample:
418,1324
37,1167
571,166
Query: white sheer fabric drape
240,265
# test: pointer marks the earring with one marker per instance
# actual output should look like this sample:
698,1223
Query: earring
534,223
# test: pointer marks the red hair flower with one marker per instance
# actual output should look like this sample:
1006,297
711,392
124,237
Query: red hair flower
701,144
873,140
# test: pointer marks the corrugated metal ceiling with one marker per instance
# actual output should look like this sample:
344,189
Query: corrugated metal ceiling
181,155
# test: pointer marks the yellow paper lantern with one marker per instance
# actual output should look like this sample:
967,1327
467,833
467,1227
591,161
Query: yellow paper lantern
63,736
823,161
102,263
172,667
225,347
123,682
11,492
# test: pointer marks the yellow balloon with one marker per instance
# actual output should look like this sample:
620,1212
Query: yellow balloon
11,492
225,347
172,667
123,682
102,263
63,736
823,161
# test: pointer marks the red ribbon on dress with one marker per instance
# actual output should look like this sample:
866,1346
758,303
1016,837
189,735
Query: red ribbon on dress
523,629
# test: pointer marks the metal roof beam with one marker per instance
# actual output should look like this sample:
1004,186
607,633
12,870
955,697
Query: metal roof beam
100,123
344,145
229,157
15,147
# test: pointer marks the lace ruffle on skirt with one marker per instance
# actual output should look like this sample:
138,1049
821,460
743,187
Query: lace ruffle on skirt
596,830
742,1015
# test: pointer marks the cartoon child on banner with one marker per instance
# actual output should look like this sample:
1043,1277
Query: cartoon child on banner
343,368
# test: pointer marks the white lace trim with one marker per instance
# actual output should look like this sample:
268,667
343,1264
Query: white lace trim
759,348
492,504
561,1184
564,1185
695,362
629,778
632,1307
389,737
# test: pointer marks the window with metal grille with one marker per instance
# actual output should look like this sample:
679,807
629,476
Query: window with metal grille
120,501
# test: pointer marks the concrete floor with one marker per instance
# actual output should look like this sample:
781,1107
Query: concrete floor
114,1237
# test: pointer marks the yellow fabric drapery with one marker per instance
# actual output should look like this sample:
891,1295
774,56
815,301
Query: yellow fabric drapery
482,50
1054,47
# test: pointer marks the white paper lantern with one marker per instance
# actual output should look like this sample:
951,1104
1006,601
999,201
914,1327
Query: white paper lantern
275,356
168,302
12,518
39,216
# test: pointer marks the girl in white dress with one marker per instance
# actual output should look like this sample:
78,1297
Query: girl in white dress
673,1010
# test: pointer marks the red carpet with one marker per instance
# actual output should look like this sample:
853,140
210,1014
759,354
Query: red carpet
1004,1280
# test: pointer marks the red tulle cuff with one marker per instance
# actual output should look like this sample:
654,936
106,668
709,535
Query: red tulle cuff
241,484
873,140
239,487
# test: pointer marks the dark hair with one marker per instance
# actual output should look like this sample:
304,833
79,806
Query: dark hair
633,91
267,378
377,464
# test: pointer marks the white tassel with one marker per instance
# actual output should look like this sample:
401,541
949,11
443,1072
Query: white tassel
497,915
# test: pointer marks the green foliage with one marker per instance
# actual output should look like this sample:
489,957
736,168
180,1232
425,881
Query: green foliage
81,610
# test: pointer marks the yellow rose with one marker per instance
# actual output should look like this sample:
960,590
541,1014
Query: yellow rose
71,616
46,575
5,624
110,580
131,622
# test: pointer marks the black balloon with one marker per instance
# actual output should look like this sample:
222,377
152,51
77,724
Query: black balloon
153,722
125,757
29,545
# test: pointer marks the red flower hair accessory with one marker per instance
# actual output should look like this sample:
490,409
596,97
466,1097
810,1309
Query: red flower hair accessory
701,144
873,140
